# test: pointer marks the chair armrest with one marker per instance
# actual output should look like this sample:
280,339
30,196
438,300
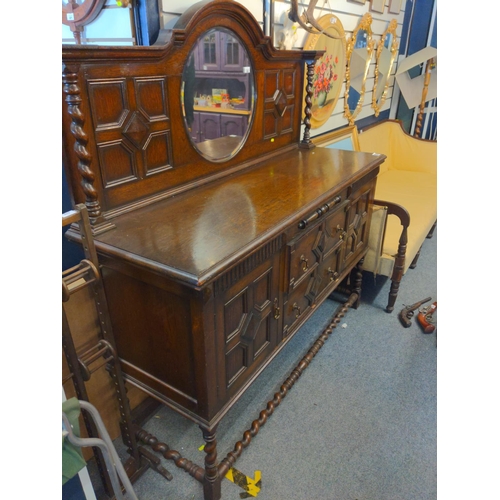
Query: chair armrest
404,217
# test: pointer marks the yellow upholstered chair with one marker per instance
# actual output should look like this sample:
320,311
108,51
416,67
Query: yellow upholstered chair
405,211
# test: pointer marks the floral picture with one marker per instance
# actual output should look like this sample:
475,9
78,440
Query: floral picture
329,69
325,74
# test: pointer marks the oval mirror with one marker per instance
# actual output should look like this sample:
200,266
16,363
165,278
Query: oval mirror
217,95
386,53
359,54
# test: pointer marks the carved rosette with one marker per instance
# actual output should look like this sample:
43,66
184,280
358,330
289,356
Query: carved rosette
73,100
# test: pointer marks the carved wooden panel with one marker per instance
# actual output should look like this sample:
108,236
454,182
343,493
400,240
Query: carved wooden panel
246,315
305,254
298,303
250,311
131,127
357,219
279,102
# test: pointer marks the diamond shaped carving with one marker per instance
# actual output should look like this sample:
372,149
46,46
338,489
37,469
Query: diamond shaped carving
136,129
280,102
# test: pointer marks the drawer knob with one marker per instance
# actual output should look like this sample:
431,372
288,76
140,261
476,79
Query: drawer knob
296,308
305,263
334,275
276,309
340,230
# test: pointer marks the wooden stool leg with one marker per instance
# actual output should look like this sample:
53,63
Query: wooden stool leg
212,480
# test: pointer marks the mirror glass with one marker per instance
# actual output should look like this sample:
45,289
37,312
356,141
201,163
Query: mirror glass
217,95
386,53
359,54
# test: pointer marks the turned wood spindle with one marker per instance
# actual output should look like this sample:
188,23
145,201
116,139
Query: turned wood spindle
306,141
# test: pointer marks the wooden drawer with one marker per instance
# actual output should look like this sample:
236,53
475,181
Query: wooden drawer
335,228
299,302
331,267
304,255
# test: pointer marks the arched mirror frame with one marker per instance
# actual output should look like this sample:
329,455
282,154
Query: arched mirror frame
365,25
391,30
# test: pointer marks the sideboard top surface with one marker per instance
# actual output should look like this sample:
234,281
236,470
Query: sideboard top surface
198,234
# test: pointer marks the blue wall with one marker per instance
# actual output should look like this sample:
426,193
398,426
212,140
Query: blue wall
414,36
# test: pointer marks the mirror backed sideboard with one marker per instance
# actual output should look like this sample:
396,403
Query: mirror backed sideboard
213,250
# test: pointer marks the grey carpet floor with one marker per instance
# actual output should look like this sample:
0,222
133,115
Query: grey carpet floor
359,424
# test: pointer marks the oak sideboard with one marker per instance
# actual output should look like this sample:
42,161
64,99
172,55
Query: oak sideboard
212,253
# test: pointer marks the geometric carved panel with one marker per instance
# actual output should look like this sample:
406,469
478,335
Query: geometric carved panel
279,103
287,119
117,163
270,124
248,332
235,312
157,152
262,335
271,85
289,83
136,129
109,103
151,95
236,363
262,290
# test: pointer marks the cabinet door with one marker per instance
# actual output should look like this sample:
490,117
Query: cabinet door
208,52
209,126
247,320
357,221
232,125
232,55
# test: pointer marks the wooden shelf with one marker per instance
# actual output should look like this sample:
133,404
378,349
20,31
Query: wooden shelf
228,111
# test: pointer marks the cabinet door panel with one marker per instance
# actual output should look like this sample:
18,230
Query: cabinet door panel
232,125
247,319
209,126
358,219
208,52
232,57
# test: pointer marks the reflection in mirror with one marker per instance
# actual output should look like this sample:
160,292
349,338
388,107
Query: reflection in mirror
386,53
359,53
217,95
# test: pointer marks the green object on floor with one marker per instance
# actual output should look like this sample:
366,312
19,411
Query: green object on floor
72,457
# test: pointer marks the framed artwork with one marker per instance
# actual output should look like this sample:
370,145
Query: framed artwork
377,6
345,138
362,2
329,70
394,6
